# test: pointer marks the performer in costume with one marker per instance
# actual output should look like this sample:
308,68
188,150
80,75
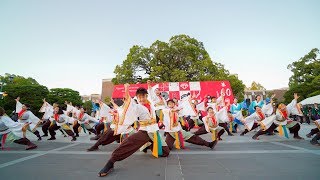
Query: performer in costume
298,114
225,120
110,136
74,120
235,108
282,121
48,110
13,131
258,102
26,116
315,130
158,101
83,121
254,120
60,120
194,121
175,134
148,130
315,139
211,124
104,118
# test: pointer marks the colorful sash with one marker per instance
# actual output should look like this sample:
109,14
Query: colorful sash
179,142
157,145
283,131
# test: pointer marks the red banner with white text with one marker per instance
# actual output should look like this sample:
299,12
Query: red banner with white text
180,89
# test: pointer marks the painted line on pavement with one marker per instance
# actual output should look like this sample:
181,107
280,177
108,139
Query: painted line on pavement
317,152
299,151
34,156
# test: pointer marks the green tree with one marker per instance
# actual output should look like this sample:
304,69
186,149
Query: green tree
306,76
30,91
60,95
29,94
181,59
107,99
16,79
88,106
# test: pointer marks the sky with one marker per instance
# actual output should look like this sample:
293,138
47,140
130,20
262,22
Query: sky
77,43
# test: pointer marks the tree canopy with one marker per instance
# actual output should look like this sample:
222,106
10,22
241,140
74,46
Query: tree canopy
60,95
31,92
306,76
181,59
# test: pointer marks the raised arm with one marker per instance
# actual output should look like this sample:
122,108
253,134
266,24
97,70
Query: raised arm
293,103
115,106
126,91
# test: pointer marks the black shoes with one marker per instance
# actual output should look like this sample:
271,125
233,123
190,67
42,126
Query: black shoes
315,143
106,169
212,144
308,135
93,148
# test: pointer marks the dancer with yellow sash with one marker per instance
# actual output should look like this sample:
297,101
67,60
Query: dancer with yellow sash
110,136
60,120
174,133
158,101
104,120
282,121
148,130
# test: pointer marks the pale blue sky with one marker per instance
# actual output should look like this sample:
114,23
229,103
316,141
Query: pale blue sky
77,43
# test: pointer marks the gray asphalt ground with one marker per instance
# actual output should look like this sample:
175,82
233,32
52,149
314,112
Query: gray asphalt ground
272,157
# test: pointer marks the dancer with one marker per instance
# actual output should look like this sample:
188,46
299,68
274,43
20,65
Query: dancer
26,116
83,121
175,134
110,136
60,120
14,131
148,131
282,121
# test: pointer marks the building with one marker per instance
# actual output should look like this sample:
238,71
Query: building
92,97
279,93
107,88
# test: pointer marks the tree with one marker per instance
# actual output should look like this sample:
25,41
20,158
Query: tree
256,86
60,95
107,99
16,79
88,106
30,91
306,76
181,59
30,94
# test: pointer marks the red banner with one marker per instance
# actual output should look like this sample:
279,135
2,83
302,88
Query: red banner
180,89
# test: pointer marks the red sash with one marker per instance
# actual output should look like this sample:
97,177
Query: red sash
56,117
147,105
21,113
284,114
81,116
213,120
261,115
